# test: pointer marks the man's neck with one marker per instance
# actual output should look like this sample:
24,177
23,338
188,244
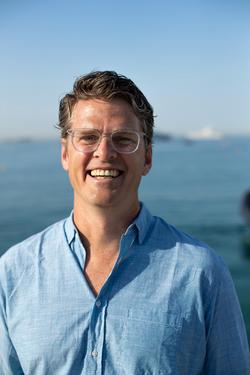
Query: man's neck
100,230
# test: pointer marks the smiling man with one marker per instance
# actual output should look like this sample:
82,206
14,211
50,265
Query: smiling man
112,290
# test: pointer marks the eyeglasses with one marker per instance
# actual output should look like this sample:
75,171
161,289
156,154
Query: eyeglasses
87,140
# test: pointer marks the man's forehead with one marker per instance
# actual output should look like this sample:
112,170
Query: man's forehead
99,110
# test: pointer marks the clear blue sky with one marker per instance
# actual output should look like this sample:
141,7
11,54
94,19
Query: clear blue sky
191,59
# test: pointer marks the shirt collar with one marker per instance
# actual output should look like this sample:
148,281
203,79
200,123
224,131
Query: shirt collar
70,229
142,222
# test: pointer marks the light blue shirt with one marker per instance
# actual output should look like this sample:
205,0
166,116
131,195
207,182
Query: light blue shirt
168,307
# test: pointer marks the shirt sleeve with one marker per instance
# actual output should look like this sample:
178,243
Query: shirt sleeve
9,363
227,345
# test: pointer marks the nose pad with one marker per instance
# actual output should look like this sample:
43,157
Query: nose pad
105,149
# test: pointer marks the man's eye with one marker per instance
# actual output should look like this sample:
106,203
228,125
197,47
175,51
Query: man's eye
88,138
123,139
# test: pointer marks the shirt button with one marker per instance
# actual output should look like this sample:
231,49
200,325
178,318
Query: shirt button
94,353
98,303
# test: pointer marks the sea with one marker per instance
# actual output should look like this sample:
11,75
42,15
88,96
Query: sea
196,186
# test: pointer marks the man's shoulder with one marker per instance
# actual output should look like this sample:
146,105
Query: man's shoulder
189,250
25,253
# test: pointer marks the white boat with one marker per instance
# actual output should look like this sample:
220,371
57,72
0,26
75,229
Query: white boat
204,134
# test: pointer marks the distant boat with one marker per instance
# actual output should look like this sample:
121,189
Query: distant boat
204,134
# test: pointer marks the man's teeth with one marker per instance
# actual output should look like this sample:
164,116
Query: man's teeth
104,173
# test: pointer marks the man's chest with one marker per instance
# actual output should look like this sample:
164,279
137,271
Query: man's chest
96,273
60,324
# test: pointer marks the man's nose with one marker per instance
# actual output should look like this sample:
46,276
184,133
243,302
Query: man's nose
105,149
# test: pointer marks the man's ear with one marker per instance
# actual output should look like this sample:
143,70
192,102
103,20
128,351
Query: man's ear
64,155
148,160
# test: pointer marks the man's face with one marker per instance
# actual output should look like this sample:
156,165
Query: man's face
83,168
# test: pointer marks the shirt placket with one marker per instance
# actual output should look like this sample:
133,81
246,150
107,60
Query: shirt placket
96,337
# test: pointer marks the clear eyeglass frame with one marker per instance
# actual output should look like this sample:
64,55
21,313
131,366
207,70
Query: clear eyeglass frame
125,148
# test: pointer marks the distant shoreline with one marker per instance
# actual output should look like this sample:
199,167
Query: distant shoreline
159,136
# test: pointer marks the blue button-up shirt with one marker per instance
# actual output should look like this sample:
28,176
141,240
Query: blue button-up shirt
167,307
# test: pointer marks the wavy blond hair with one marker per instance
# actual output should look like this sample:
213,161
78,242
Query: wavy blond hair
106,85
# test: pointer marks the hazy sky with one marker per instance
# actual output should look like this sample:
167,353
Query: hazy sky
190,58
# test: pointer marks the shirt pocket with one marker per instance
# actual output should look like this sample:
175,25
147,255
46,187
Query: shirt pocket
149,339
148,328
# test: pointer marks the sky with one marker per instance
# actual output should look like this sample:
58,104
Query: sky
190,58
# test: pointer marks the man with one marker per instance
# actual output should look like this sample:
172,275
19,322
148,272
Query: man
113,290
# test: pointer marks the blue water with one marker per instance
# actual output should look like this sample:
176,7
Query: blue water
197,187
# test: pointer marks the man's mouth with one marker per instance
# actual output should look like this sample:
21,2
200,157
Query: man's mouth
105,173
